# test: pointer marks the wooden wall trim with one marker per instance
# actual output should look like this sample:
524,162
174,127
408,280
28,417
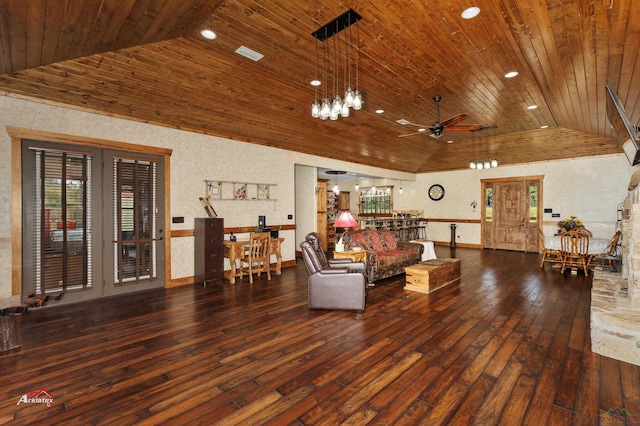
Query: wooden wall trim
16,132
514,179
16,216
179,233
454,220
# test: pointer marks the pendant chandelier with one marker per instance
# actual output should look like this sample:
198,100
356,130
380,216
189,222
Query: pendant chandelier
339,59
486,164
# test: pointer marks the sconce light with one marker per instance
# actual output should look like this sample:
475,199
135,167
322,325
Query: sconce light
400,190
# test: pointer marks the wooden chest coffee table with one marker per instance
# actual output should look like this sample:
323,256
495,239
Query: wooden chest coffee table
431,275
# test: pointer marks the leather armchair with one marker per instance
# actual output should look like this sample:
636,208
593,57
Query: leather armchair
314,240
332,287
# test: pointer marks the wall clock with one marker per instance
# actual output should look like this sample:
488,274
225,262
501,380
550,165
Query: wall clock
436,192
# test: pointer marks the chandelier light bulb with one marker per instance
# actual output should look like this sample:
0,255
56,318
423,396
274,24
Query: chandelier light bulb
480,165
345,110
325,111
494,163
315,109
472,164
357,100
348,97
337,105
487,164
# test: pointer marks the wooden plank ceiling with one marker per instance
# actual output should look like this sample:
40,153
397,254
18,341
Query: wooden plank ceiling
145,60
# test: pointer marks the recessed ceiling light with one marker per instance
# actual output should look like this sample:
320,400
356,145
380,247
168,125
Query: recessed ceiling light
470,12
315,82
449,141
511,74
208,34
422,130
379,111
532,107
544,127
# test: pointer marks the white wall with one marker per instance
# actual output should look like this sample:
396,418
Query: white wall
589,188
195,158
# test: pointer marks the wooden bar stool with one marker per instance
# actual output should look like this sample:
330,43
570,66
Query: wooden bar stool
422,229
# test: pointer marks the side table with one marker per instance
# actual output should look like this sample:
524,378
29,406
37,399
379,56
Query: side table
354,255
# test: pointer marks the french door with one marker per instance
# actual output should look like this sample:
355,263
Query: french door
92,221
511,213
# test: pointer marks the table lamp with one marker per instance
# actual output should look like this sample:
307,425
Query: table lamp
344,220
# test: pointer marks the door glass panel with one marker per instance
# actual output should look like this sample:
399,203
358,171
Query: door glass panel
533,204
135,228
61,250
488,204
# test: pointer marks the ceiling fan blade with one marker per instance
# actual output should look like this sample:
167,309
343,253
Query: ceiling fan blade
411,134
454,120
425,126
467,127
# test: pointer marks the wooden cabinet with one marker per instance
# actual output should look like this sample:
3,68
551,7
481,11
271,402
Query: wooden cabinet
329,205
209,250
344,201
321,209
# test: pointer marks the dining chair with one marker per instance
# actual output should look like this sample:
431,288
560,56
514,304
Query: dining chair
609,255
548,255
575,250
257,259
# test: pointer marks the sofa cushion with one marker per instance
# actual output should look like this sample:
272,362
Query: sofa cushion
376,242
360,240
389,239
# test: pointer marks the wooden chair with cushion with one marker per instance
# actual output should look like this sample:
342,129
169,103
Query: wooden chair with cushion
575,250
548,255
257,259
606,258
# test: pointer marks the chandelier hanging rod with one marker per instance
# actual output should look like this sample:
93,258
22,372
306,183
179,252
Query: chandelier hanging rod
343,21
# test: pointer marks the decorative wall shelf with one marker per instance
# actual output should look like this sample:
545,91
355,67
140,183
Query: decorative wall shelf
239,191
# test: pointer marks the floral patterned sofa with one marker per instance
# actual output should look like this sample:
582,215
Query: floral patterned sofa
386,256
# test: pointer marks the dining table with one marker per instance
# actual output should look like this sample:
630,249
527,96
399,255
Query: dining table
236,251
596,245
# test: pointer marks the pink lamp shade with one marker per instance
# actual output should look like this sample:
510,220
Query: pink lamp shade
345,220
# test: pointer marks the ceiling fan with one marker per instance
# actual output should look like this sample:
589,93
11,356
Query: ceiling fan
438,128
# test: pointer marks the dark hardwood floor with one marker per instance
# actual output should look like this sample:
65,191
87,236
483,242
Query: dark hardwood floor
507,345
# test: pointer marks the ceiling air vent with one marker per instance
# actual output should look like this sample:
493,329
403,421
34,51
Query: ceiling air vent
402,121
248,53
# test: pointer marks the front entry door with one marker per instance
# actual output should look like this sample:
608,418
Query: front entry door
511,213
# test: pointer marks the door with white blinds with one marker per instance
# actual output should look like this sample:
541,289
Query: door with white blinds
135,222
90,221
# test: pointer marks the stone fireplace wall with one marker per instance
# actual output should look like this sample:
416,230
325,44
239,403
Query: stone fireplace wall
615,297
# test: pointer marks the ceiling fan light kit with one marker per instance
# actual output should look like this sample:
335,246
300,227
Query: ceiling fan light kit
344,61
